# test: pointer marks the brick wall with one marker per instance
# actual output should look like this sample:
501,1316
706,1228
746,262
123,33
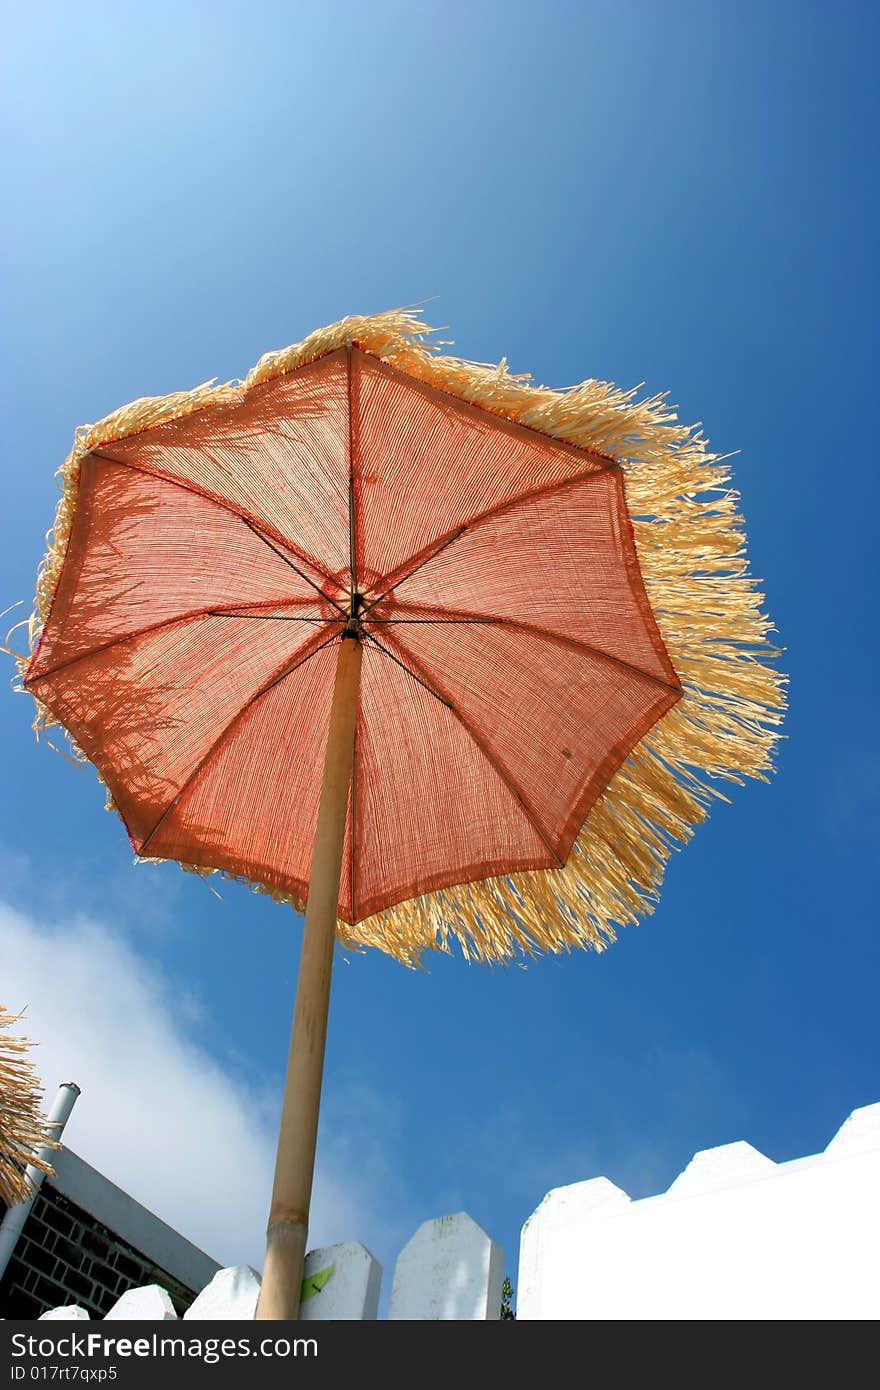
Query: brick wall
65,1256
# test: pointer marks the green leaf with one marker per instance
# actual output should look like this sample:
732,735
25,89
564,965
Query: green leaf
314,1283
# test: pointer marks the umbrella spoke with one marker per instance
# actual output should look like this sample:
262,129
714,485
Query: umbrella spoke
229,612
195,490
517,624
391,622
423,679
290,665
265,539
352,552
118,641
434,551
422,557
278,617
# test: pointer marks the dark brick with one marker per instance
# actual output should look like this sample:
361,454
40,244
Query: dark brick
95,1244
128,1268
107,1278
77,1283
107,1265
21,1305
43,1260
61,1223
38,1231
49,1294
67,1251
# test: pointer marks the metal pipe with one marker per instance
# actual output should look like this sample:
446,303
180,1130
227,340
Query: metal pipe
13,1221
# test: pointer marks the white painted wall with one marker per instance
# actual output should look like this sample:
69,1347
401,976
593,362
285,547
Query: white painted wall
735,1237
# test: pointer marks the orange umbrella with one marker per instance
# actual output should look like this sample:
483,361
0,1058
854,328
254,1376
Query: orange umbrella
405,639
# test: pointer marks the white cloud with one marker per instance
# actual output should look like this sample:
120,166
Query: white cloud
159,1115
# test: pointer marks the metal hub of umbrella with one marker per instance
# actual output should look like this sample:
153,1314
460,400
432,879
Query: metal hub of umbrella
436,654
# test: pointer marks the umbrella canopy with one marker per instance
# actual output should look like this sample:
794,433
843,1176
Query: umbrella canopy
529,611
539,578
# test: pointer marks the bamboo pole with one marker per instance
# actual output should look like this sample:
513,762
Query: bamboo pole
288,1226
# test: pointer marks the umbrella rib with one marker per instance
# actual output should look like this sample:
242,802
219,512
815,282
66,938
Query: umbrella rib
265,539
286,670
157,627
277,618
483,747
209,496
351,538
447,540
401,574
394,622
464,616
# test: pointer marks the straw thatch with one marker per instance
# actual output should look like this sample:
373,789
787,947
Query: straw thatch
23,1129
708,608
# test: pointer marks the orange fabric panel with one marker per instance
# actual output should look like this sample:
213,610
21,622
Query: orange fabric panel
425,464
562,561
145,552
251,809
146,711
555,722
429,808
279,455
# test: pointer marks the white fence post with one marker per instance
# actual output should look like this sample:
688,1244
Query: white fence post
450,1270
150,1303
341,1283
231,1295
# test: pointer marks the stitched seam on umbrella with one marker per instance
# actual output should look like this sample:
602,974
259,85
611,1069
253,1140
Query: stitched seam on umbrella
437,547
538,632
437,882
636,578
217,500
281,674
487,754
467,407
614,760
71,566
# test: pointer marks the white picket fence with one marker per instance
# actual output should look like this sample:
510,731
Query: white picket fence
735,1236
451,1270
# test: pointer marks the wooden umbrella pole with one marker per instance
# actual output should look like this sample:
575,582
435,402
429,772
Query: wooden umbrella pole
288,1226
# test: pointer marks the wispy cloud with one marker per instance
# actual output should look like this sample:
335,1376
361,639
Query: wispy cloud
163,1118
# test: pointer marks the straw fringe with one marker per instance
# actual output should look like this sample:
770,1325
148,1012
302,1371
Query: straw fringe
23,1129
691,548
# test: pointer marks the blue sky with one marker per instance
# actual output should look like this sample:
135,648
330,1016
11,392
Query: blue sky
678,194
